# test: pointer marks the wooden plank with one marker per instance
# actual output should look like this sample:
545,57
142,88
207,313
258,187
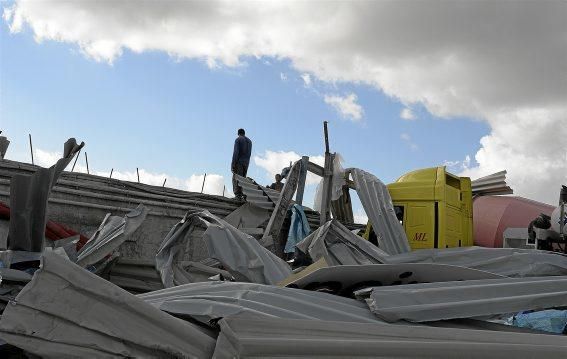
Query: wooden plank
278,215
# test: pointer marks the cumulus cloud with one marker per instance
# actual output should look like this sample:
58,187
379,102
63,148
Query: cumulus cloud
274,161
283,76
509,71
346,106
214,183
407,114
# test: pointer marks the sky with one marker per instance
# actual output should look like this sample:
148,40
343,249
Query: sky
164,86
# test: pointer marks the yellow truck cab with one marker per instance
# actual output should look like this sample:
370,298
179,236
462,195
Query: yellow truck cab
434,207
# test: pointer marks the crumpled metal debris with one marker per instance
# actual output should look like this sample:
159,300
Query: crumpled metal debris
467,299
243,336
241,254
68,312
28,202
111,233
378,205
339,246
210,301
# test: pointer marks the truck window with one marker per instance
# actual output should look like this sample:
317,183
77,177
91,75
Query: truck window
399,210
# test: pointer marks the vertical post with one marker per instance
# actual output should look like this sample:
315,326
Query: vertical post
31,149
223,189
76,158
301,180
87,162
203,186
165,180
327,179
111,170
562,201
138,174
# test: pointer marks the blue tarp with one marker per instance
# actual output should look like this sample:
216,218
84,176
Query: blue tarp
552,320
298,229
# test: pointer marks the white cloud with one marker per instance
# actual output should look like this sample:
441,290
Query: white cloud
360,217
283,76
507,72
274,161
214,183
407,114
458,166
346,106
407,138
306,79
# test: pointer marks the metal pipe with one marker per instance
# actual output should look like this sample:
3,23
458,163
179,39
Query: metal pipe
203,186
223,189
111,170
31,149
165,180
327,150
76,158
138,173
87,161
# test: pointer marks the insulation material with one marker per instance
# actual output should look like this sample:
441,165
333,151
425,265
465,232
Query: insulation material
242,336
510,262
473,298
111,233
93,318
209,301
378,205
28,202
339,246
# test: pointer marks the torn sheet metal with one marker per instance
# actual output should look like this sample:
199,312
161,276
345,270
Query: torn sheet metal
28,202
248,216
209,301
241,254
66,311
242,336
473,298
378,205
298,229
111,233
510,262
339,246
346,279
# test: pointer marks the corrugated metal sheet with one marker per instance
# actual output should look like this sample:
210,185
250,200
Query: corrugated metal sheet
258,195
338,246
466,299
68,312
494,184
207,302
378,206
510,262
242,336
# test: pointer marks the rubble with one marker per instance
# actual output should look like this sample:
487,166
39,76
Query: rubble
182,275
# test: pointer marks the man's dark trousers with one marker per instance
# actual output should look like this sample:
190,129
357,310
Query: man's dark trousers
241,170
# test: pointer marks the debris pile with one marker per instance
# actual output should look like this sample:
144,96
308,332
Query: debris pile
241,296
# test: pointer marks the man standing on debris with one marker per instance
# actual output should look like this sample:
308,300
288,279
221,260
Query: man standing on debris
278,185
240,161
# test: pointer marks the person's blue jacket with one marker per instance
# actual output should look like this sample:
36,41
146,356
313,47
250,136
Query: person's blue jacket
242,151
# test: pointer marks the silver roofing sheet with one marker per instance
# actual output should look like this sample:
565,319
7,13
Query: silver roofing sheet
240,253
258,195
339,246
28,201
68,312
378,205
111,233
245,337
510,262
209,301
351,277
473,298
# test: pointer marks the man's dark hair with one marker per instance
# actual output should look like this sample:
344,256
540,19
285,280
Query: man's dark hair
241,132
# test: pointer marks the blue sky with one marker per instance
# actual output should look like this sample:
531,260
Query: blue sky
180,117
156,104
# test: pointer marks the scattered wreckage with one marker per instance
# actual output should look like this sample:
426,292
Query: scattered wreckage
341,297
